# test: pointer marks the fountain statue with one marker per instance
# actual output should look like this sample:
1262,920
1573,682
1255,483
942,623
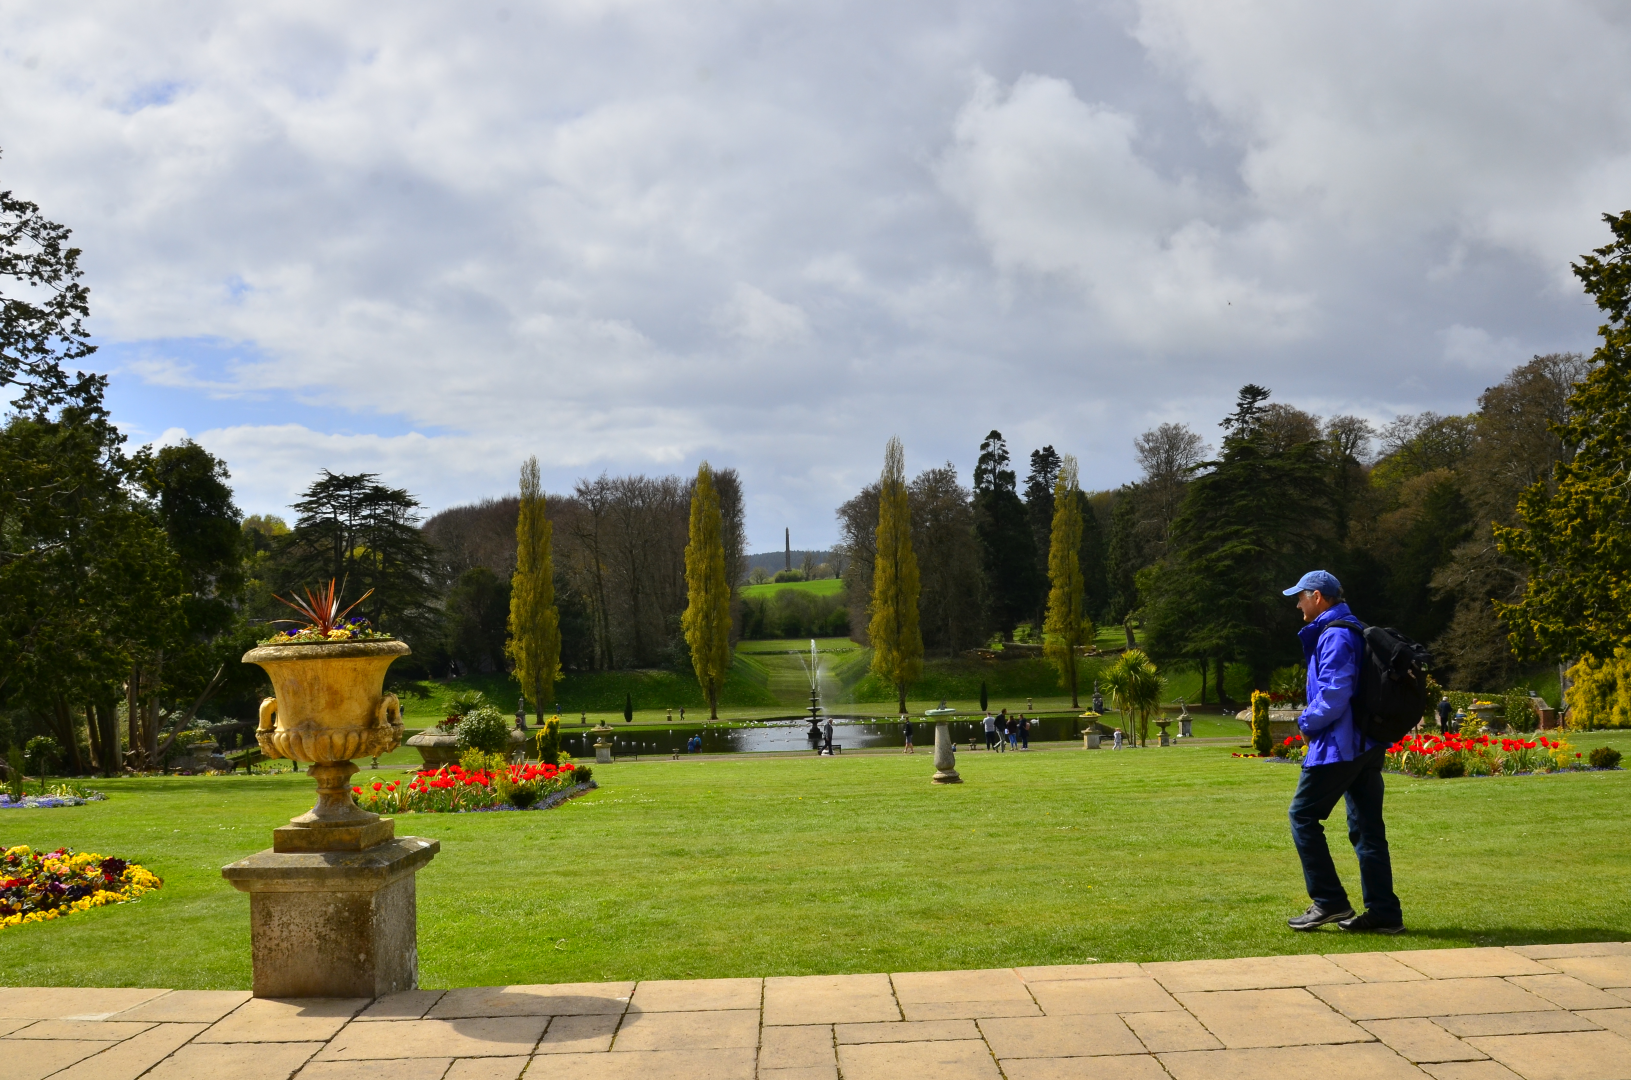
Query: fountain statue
813,669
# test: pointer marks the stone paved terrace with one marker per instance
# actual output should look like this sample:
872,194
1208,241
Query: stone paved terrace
1543,1012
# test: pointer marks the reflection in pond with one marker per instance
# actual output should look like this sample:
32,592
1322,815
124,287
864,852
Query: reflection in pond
795,735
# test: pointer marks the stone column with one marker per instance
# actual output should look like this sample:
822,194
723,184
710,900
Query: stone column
945,756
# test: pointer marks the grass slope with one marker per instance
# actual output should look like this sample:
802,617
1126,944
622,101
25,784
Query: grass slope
819,587
753,866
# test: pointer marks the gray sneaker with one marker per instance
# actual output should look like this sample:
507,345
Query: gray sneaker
1316,917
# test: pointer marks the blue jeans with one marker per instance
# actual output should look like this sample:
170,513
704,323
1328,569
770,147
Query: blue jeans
1360,783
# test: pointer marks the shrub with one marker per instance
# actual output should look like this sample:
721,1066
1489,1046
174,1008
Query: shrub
549,741
484,728
1261,741
41,753
1448,766
194,736
14,773
581,774
1604,757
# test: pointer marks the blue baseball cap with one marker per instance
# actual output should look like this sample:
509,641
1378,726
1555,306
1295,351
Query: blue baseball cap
1317,581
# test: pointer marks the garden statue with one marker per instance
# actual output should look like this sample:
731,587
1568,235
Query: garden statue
1185,724
521,715
1098,699
332,902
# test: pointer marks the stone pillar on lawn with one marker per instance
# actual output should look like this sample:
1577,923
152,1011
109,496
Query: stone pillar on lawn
945,753
332,903
603,743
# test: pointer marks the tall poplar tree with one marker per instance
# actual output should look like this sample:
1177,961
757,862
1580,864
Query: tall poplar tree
1067,626
897,641
707,618
535,624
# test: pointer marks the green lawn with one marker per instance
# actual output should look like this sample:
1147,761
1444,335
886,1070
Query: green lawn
755,866
819,587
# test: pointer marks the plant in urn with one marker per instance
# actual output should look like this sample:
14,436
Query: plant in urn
332,904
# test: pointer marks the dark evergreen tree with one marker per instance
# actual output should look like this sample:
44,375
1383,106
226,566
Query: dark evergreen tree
1039,510
1094,559
1007,550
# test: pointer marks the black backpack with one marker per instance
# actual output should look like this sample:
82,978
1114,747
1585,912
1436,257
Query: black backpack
1392,694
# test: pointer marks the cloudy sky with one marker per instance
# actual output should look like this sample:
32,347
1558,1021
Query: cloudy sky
427,240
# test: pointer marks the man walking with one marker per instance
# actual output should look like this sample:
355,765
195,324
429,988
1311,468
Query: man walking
1341,764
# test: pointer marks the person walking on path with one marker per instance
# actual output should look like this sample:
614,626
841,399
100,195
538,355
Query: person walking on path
1024,732
826,736
1341,763
1444,710
1002,731
906,729
990,731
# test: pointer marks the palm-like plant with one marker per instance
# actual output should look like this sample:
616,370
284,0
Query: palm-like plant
1135,687
321,609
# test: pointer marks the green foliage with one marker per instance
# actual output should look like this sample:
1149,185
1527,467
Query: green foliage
549,741
784,577
477,612
535,624
1573,536
1262,740
1014,582
707,617
1600,691
795,612
628,708
1604,757
1448,766
463,702
1067,627
582,774
14,773
1134,686
41,753
485,729
897,642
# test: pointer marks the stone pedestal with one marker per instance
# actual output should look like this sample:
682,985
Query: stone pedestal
1090,740
1164,739
334,923
945,757
1185,728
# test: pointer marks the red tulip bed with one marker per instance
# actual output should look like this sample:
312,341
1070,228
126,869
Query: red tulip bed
451,789
1482,755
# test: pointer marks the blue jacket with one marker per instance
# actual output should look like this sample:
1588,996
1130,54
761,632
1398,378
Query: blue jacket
1333,678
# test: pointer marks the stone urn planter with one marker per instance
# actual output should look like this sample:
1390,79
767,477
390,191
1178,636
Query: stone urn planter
436,748
332,904
207,756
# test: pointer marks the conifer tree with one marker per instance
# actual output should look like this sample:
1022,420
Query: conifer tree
897,641
535,624
707,618
1575,538
1067,626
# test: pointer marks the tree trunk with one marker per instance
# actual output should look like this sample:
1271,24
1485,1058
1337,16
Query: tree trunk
150,720
902,689
65,731
1202,666
98,758
107,718
713,702
133,697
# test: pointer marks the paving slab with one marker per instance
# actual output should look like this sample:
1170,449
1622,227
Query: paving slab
133,1057
431,1068
407,1005
1603,971
734,1064
1092,1035
70,1002
906,1031
41,1059
1076,996
697,995
805,1072
1613,1019
1524,1023
1588,948
492,1068
1141,1067
234,1061
1470,1070
1470,963
1376,967
1163,1032
186,1007
1288,1016
1246,973
1434,997
264,1020
1421,1040
938,987
797,1048
714,1030
579,1034
8,1025
105,1030
967,1060
485,1036
1572,1055
560,999
1567,992
829,999
1079,971
969,1010
1363,1061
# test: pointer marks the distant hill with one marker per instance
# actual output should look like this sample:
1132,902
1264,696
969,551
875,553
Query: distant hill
776,560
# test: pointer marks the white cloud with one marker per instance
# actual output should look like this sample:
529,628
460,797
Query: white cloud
758,317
